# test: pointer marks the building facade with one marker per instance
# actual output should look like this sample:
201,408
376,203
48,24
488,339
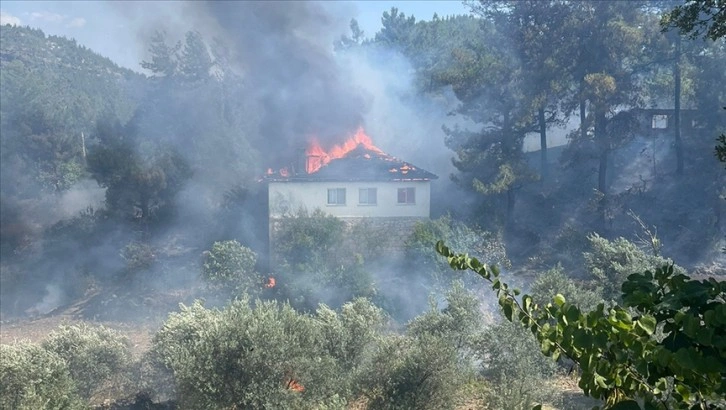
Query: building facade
364,185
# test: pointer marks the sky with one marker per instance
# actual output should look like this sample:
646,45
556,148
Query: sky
115,29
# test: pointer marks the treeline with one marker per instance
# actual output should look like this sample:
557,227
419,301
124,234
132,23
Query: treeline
528,68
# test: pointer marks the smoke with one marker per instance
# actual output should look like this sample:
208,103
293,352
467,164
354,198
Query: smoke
82,195
52,299
408,123
285,54
401,121
295,86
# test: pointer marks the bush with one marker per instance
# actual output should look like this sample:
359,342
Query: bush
611,262
347,334
138,256
516,370
459,322
349,337
268,356
319,260
95,355
32,377
308,239
658,348
231,266
554,281
414,373
421,245
426,368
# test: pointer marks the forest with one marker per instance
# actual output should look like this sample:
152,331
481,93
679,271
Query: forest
575,255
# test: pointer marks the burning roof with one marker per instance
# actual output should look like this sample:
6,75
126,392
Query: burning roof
355,160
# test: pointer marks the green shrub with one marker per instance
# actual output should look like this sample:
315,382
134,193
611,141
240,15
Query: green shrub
426,368
611,262
486,246
95,355
231,266
349,337
138,256
659,348
318,260
308,238
414,373
554,281
517,372
264,357
347,334
32,378
459,322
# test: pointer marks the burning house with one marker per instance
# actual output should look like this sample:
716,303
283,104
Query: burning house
351,181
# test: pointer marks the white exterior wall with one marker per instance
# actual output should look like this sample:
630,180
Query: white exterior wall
287,198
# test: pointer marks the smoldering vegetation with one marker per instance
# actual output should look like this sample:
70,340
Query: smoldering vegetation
125,194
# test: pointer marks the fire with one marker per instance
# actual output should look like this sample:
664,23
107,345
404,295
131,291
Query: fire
317,156
270,283
294,385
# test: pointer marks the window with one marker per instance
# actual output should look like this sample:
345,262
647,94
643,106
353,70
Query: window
336,196
406,195
367,196
660,122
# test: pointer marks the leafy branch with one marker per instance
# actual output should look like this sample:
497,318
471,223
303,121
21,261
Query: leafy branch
665,347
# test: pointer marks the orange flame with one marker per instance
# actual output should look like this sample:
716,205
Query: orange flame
317,156
270,282
293,385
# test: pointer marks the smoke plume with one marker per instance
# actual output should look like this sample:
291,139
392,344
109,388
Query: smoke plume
285,54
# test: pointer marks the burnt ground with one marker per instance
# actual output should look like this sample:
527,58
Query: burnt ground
135,315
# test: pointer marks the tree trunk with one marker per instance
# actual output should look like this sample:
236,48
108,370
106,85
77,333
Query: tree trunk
583,113
603,148
677,107
543,143
511,198
507,128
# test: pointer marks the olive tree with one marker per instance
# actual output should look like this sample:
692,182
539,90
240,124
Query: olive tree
32,377
95,355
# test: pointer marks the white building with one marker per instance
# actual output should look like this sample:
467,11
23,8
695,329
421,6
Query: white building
362,184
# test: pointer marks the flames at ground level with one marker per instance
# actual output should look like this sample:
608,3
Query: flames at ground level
294,385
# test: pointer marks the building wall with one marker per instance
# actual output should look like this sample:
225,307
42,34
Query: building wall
661,122
286,198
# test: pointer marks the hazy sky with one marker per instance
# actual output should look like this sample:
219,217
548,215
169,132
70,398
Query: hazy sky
113,28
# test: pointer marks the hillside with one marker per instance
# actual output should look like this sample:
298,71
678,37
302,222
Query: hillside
54,89
29,57
38,51
54,94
